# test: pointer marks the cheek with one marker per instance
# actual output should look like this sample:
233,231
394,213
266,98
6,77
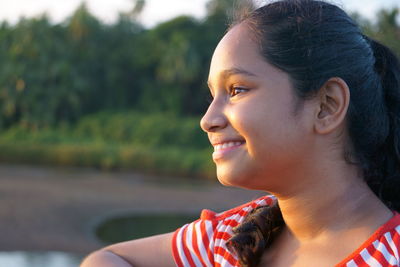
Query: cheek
261,122
271,131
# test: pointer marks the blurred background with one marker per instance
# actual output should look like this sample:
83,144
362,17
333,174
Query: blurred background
100,103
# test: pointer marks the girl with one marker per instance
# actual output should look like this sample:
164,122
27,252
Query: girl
307,108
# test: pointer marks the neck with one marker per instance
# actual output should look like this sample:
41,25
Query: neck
326,207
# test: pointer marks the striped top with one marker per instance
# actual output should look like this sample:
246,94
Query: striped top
202,242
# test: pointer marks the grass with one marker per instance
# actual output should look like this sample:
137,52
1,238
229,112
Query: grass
115,141
168,160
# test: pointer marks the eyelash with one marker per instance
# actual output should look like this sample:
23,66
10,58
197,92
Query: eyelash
231,93
235,88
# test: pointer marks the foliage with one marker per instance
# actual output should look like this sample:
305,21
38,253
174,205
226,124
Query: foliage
60,82
165,161
150,130
108,140
386,28
52,74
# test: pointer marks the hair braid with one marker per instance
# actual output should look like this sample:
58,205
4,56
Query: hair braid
255,234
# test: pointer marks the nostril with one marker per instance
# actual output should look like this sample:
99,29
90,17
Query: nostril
213,128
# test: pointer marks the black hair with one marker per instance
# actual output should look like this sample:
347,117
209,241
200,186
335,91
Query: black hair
314,41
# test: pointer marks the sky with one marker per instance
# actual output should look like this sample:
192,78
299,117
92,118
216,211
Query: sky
155,11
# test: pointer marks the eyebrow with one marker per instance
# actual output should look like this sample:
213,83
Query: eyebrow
233,71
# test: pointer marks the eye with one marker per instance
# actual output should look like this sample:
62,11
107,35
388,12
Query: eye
234,90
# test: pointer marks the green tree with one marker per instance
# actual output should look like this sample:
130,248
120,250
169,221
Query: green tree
176,65
386,29
35,76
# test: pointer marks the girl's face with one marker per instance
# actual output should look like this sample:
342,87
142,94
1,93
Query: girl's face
259,141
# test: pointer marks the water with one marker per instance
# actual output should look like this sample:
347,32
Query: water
112,230
141,225
39,259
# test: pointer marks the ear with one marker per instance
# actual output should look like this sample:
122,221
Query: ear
332,104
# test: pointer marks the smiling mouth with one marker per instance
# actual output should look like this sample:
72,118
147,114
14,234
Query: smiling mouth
227,145
225,149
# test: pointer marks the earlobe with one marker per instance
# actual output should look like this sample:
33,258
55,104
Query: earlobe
332,104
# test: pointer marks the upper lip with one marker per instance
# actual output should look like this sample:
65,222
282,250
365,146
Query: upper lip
220,140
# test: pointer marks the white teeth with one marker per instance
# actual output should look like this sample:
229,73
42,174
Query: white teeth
226,145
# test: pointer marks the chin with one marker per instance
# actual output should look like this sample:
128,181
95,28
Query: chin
250,178
224,182
236,179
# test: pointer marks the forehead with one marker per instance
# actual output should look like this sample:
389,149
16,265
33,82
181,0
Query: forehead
237,50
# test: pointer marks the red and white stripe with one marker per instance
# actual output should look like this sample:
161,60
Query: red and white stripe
381,249
203,243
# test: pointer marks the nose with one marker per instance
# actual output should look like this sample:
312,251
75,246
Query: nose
214,119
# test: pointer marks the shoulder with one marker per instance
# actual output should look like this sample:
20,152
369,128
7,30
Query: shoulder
240,212
382,248
202,242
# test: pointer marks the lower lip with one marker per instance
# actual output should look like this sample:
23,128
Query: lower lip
224,152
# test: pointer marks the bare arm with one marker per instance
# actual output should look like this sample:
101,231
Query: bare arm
150,251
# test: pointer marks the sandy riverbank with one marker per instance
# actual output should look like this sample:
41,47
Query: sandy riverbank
56,209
